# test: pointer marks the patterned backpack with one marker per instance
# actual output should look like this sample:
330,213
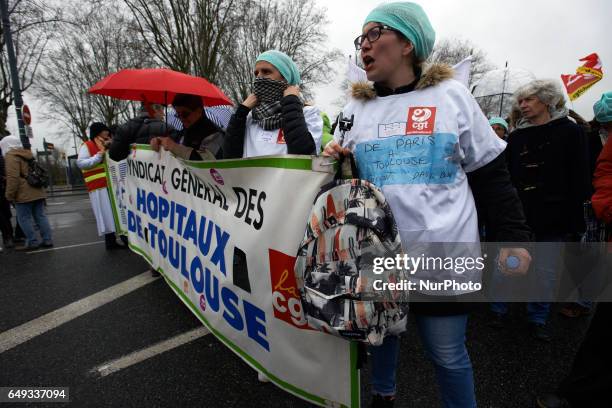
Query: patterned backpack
350,225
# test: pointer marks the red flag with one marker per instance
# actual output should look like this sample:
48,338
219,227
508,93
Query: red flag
578,84
586,76
591,66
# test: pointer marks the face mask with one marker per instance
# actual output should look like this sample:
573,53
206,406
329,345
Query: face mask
268,90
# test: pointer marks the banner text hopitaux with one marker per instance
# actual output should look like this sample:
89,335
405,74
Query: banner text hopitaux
188,227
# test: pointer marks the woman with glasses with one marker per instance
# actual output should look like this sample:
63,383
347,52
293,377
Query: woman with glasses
274,120
420,136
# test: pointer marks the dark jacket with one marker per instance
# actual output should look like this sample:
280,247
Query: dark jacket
297,136
595,147
138,130
203,135
549,167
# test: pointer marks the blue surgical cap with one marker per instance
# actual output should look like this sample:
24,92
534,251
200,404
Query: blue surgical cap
498,121
410,20
283,63
603,108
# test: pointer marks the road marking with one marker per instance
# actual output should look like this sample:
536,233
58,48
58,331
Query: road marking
64,247
141,355
27,331
54,203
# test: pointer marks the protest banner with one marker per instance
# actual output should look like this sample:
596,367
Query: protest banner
224,235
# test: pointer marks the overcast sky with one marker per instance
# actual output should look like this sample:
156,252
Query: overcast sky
544,36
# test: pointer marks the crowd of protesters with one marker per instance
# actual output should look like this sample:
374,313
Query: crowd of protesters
519,179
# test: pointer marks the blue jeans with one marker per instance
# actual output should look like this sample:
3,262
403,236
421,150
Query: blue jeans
546,269
443,338
537,312
26,213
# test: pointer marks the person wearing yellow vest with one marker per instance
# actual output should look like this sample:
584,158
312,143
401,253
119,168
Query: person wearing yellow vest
91,162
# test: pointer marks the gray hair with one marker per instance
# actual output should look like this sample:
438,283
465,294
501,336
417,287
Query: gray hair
547,91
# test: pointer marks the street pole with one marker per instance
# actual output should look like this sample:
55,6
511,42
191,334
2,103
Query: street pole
49,171
501,103
10,50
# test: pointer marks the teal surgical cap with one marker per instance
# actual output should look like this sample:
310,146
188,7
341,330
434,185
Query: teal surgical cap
498,121
283,63
410,20
603,108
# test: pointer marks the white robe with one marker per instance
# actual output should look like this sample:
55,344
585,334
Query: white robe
100,202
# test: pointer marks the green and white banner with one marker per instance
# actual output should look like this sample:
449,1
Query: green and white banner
224,235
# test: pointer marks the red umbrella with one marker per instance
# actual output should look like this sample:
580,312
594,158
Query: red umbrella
158,85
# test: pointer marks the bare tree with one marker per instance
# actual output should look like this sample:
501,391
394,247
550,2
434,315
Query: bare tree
62,89
493,105
187,35
32,22
296,27
220,39
90,50
453,51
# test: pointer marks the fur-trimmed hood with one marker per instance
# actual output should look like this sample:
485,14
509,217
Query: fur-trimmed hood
433,74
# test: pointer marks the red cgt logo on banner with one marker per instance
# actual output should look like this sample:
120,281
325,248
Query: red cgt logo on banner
285,293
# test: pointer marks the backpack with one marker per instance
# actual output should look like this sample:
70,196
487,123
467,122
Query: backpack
350,224
37,175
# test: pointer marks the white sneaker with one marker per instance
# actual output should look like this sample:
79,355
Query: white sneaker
261,377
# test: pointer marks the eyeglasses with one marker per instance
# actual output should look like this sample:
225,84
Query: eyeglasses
372,35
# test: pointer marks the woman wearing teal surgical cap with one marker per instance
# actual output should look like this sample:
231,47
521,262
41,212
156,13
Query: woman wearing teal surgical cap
500,127
421,137
273,119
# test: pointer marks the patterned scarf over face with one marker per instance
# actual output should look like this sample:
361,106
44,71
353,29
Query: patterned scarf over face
269,93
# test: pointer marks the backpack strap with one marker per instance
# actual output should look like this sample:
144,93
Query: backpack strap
344,164
27,161
362,355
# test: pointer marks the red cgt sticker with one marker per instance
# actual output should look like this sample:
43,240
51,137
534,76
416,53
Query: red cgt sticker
421,120
285,293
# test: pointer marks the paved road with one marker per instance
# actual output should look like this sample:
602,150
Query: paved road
95,346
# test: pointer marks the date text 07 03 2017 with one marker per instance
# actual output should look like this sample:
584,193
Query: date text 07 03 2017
34,394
